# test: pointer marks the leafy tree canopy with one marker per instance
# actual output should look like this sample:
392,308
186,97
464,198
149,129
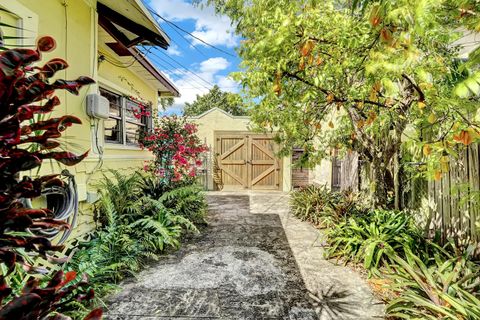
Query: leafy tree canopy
365,79
230,102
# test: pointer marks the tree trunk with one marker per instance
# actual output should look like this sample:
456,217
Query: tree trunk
380,192
396,180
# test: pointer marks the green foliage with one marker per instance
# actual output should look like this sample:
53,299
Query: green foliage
216,98
446,286
322,207
119,194
371,76
137,224
187,200
369,238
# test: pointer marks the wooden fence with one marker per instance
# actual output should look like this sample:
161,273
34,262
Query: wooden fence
455,198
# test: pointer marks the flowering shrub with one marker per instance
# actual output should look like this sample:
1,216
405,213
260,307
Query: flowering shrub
143,110
177,150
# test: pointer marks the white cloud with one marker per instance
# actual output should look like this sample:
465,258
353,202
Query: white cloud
209,27
173,50
228,84
213,65
190,85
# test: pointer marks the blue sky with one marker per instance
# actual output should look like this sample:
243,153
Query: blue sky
209,65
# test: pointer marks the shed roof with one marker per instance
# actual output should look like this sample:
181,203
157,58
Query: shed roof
219,110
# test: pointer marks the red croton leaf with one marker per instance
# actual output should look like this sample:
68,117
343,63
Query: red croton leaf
26,112
57,182
35,91
11,60
53,66
50,223
8,258
56,279
94,315
10,131
58,316
64,157
46,44
55,124
21,307
13,241
49,145
41,245
5,290
86,297
72,86
31,285
21,212
69,277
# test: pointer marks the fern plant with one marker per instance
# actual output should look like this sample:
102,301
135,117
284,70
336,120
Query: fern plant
187,201
124,192
162,227
137,223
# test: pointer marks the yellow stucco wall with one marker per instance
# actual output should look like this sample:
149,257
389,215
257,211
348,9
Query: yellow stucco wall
218,120
74,25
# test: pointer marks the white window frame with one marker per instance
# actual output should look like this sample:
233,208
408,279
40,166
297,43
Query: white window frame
27,22
123,120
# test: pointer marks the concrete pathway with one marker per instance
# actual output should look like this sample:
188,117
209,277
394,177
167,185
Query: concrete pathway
253,261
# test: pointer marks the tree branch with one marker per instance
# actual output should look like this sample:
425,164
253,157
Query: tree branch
414,85
326,92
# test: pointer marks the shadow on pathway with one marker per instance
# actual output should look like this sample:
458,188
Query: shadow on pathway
242,266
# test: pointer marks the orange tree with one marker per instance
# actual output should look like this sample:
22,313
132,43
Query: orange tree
369,79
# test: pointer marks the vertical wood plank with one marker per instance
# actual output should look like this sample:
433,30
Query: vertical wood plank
432,209
473,171
447,219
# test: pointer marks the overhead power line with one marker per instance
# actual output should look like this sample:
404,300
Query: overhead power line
190,34
182,71
183,67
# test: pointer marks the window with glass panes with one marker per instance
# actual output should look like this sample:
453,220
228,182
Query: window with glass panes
122,126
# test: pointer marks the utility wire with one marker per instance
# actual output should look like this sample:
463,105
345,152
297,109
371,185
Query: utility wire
175,30
184,72
191,81
190,34
186,68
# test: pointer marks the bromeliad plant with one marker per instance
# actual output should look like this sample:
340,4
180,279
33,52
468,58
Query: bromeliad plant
323,207
177,150
370,238
446,286
26,139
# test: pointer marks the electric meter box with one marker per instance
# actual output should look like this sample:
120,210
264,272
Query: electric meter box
97,106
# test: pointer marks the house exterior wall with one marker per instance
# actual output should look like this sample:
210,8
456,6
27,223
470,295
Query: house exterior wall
218,120
74,25
321,174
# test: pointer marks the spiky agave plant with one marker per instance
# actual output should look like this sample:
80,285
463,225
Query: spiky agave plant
27,91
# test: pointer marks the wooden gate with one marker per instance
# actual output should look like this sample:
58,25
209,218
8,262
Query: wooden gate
248,161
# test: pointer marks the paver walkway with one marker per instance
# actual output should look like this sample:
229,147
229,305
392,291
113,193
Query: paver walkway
253,261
